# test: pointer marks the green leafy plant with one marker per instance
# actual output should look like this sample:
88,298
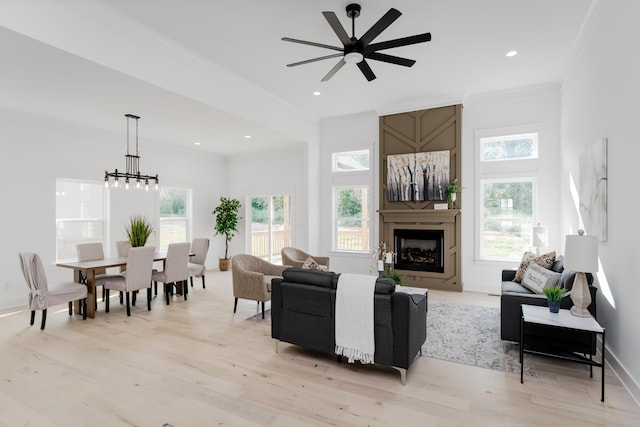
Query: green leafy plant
396,277
138,230
554,293
226,214
453,187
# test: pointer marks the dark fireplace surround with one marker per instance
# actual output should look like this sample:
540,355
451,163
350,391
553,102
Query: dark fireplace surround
419,250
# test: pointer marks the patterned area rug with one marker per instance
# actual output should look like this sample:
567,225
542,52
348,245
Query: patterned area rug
471,335
464,334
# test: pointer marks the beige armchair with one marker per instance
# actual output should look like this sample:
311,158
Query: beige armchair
295,257
251,278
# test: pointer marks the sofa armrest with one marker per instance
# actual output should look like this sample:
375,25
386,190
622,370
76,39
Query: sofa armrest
409,327
508,275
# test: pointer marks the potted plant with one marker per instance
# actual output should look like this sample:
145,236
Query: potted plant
396,277
452,190
138,230
554,296
226,214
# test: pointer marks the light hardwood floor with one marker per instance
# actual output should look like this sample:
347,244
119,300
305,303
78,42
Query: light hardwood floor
194,363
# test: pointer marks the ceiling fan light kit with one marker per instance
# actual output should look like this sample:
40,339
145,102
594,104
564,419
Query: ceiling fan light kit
357,50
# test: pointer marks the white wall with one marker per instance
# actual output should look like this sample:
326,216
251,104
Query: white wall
37,150
273,173
510,110
346,134
600,99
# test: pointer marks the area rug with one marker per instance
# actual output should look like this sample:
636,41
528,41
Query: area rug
470,335
464,334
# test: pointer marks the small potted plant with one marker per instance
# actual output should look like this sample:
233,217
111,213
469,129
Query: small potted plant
554,295
138,230
226,214
452,190
396,277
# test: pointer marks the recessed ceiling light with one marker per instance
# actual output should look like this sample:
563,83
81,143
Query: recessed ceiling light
316,93
247,136
512,53
196,143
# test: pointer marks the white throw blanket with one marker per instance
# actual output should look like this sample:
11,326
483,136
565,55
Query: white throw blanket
354,317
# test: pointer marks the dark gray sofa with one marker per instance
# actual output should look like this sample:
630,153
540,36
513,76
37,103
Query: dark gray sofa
303,309
563,341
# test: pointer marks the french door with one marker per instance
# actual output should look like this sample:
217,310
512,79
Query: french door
270,227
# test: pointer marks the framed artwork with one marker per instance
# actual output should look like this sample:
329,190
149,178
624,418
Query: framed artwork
418,176
593,189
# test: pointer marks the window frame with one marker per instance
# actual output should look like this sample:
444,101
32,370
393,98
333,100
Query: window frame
335,219
503,170
273,257
188,220
485,139
334,161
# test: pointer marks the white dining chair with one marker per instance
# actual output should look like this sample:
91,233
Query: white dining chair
93,252
176,269
136,277
199,247
42,295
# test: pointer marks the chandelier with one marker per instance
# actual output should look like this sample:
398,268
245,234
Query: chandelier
132,171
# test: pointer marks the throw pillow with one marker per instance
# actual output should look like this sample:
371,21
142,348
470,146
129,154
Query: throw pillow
311,264
544,260
537,278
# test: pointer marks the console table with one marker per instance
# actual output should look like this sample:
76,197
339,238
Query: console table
563,320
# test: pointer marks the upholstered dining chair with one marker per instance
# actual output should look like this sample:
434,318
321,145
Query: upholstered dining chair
251,277
176,269
122,247
137,276
93,252
199,247
42,295
296,257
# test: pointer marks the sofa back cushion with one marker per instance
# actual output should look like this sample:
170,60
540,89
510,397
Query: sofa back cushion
323,279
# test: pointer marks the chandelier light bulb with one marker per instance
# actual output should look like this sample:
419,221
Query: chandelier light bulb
126,184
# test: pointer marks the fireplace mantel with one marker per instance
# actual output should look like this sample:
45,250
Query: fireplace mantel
420,216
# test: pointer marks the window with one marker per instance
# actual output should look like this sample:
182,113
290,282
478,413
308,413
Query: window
351,161
79,216
510,147
507,167
174,219
507,216
270,227
351,219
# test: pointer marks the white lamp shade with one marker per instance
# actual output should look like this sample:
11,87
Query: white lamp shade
539,236
581,253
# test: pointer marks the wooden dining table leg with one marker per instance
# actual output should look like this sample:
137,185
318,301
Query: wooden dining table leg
91,290
77,305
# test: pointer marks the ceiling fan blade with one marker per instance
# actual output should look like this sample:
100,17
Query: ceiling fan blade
404,41
337,27
333,70
326,46
386,20
390,58
335,55
366,70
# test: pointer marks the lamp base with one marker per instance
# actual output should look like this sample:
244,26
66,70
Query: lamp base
580,296
580,312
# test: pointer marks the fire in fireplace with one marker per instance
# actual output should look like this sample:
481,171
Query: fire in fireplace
419,250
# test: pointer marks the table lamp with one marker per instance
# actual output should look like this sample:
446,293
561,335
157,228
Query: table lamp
581,256
539,237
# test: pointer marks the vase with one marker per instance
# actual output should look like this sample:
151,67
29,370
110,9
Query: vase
451,200
554,306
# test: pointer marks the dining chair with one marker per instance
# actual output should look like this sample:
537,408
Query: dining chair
136,277
93,252
176,269
122,248
199,247
42,295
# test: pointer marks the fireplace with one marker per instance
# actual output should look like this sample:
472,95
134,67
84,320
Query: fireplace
419,250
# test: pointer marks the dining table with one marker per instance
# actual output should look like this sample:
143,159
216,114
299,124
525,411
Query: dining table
87,269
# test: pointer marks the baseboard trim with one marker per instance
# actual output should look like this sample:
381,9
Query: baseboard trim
623,375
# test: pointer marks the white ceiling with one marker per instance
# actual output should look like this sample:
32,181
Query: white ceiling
105,77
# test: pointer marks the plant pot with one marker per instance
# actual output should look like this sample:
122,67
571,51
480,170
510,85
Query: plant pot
554,306
223,263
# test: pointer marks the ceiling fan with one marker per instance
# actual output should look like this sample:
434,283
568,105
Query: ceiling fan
356,50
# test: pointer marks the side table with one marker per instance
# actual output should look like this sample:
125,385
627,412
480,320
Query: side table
564,320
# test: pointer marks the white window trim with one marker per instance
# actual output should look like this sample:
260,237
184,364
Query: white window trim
188,217
247,215
502,170
334,215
